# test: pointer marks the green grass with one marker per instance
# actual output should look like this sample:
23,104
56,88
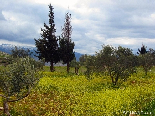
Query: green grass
59,93
82,69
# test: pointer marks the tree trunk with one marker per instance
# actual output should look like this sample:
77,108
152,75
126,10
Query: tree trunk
6,108
76,70
51,67
67,67
116,79
112,78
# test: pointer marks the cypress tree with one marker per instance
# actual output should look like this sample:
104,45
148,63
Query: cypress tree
47,46
65,42
142,50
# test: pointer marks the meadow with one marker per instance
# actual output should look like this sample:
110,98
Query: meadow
62,94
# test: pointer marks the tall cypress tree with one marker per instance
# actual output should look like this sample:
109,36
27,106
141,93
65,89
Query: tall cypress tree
47,46
65,42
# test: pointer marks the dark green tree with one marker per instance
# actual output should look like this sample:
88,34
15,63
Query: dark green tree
66,45
47,46
142,50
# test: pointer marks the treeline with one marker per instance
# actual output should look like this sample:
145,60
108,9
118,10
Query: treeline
118,63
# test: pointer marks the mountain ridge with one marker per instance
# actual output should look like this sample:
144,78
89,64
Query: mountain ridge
8,47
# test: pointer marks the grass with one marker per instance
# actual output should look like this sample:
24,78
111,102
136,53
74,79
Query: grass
59,93
82,69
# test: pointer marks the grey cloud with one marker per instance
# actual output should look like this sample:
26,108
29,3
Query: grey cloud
1,16
24,29
94,22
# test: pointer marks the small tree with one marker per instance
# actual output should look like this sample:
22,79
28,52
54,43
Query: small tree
47,47
146,60
17,80
83,59
105,58
118,63
66,44
76,65
91,66
123,65
18,52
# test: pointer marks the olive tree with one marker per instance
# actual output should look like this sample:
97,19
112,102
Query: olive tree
118,63
18,52
91,66
105,58
82,59
76,65
17,80
123,65
147,60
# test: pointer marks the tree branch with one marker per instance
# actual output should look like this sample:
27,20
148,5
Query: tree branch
20,97
17,98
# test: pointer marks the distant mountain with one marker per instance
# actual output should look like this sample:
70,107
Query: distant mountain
8,47
77,55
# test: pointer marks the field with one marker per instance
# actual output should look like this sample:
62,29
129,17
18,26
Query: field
59,93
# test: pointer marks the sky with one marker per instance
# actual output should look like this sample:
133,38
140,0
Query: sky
127,23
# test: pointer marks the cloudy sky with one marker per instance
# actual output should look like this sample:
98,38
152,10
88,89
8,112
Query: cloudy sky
129,23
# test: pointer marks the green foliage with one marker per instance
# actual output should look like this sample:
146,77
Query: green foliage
83,59
5,59
90,66
123,64
74,63
18,52
19,77
66,50
147,60
3,55
149,108
47,46
117,63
